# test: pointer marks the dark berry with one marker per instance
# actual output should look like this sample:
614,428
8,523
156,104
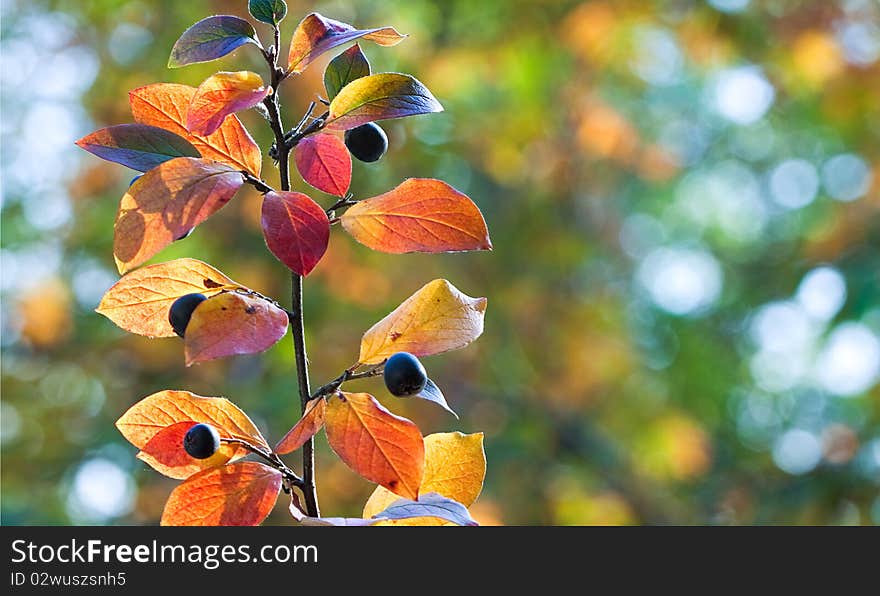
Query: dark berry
201,441
181,311
366,142
405,375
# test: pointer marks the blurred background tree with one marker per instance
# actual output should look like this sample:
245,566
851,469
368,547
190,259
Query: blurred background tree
683,322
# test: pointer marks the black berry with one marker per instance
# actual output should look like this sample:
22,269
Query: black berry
366,142
201,441
181,311
405,375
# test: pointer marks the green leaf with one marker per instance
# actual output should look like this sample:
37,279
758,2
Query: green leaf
210,39
379,97
346,67
270,12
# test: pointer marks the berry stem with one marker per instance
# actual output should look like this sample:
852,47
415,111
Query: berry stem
307,485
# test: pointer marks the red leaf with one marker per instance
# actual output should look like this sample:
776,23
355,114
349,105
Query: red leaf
324,162
296,230
240,494
305,429
381,447
165,452
231,323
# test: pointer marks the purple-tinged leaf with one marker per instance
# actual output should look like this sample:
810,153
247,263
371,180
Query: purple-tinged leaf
432,393
429,505
210,39
317,34
346,67
139,146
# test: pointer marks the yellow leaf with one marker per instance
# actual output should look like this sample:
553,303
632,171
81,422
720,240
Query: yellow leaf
436,319
139,302
455,467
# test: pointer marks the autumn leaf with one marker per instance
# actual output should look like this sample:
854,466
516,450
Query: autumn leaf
343,69
317,34
428,505
420,215
324,162
222,94
210,39
232,323
296,230
166,203
270,12
381,447
165,105
436,319
241,494
433,394
311,422
150,417
165,453
379,97
455,467
139,146
139,302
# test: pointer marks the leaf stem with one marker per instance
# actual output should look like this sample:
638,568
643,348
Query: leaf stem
271,458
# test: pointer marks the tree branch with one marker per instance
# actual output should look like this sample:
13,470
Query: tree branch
296,311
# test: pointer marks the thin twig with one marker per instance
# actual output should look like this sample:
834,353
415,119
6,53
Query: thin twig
256,182
348,374
271,458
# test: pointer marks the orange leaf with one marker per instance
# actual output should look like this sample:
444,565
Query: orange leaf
165,453
310,423
159,411
232,323
139,302
166,203
420,215
436,319
317,34
455,467
324,162
240,494
166,104
381,447
221,94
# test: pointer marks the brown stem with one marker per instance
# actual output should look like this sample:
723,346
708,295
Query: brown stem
296,309
271,458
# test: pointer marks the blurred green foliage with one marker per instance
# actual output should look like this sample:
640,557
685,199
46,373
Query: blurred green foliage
683,297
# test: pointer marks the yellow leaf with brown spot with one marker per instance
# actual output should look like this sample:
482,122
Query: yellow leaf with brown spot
436,319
